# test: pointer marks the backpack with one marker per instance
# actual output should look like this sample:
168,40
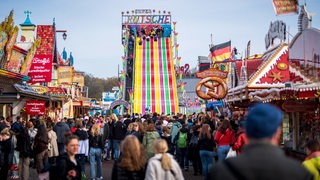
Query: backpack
182,141
193,141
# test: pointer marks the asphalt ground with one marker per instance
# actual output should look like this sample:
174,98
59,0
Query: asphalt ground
107,170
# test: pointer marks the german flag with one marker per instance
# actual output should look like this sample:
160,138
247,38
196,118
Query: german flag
221,52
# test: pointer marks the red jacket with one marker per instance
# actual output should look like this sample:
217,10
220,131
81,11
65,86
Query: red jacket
224,139
240,142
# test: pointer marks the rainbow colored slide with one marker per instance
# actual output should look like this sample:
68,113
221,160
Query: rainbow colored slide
155,86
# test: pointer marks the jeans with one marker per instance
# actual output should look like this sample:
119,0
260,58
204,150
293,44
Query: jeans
183,161
61,148
82,159
95,158
206,160
116,148
110,148
222,152
24,163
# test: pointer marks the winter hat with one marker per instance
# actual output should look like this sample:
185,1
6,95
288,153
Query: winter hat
263,121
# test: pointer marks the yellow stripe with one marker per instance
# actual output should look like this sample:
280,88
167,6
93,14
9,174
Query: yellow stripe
157,77
137,78
221,57
174,80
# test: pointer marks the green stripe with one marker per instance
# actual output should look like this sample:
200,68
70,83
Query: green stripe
165,75
148,74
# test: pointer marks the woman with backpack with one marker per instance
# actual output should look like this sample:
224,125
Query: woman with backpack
206,146
149,138
181,140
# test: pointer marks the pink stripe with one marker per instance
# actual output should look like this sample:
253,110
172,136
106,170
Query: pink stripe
163,104
143,86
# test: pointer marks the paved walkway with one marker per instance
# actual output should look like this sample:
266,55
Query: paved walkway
107,169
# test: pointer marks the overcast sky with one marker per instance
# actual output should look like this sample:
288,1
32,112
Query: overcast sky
94,27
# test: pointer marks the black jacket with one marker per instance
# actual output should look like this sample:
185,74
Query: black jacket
96,141
260,161
111,129
64,165
119,130
119,173
82,134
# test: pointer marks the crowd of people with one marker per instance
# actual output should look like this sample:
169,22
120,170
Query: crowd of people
153,146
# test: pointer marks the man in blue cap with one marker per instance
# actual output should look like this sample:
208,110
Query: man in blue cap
262,158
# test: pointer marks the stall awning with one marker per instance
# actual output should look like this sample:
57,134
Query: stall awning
27,90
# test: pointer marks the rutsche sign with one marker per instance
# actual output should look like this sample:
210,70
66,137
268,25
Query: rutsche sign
146,19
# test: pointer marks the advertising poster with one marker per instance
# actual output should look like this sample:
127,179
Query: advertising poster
35,107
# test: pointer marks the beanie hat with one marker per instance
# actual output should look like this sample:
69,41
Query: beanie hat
263,121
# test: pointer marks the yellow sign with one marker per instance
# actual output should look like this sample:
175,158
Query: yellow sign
39,89
65,74
68,109
78,78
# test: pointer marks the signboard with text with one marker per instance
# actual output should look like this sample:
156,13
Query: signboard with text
35,107
41,65
285,6
41,69
65,74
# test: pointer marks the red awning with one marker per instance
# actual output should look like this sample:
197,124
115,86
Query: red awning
56,91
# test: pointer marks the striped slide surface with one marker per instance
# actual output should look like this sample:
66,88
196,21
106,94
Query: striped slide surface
154,77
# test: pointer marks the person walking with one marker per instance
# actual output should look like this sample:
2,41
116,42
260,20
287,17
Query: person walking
241,139
312,162
162,165
53,151
206,146
6,152
149,138
61,128
182,141
41,149
83,150
224,137
131,164
96,146
262,158
68,167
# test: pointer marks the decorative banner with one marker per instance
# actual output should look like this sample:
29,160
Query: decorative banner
78,78
3,42
35,107
41,67
179,60
16,59
285,6
65,74
130,92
